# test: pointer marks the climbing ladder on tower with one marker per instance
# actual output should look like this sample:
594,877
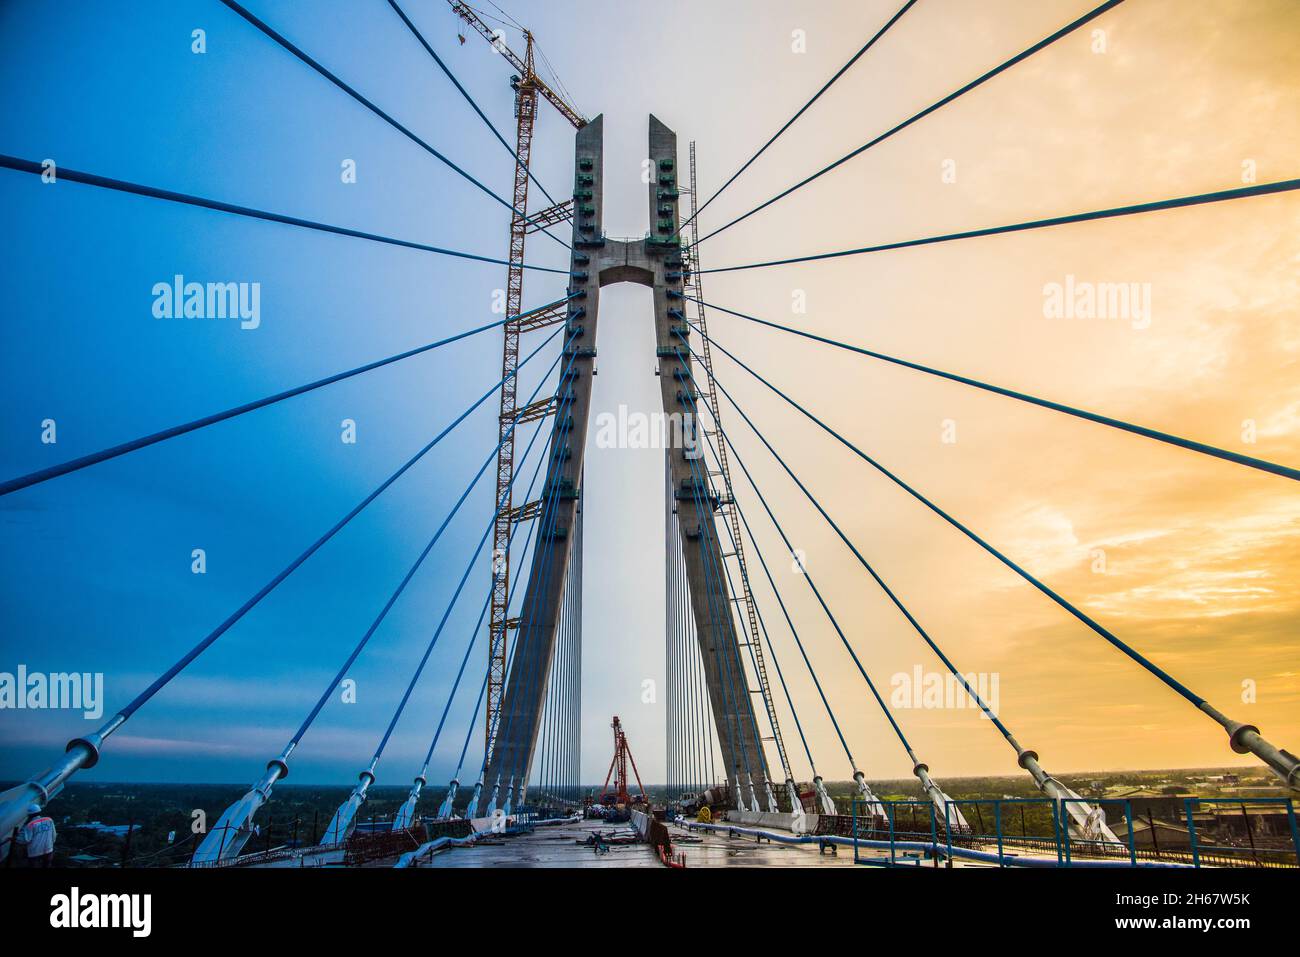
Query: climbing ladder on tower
691,283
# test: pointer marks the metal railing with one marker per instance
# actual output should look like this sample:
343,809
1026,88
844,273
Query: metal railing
912,842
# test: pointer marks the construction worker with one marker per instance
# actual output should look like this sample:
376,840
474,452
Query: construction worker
38,835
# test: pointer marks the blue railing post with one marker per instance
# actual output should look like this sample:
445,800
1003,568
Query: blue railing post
1295,834
1132,848
947,825
997,825
1056,832
1191,832
855,830
934,834
1065,829
892,859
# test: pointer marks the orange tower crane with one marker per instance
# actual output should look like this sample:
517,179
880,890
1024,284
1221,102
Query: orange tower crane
528,86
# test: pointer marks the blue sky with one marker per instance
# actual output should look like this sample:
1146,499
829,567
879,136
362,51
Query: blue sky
97,565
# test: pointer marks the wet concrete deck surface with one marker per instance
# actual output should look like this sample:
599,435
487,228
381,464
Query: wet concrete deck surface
561,846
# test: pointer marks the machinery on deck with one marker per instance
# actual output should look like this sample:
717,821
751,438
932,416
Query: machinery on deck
619,794
718,796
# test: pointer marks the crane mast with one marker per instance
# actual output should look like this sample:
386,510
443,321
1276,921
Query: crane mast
528,87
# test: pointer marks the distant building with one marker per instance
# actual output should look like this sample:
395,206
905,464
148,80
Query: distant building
1165,836
1232,780
118,830
1145,802
1265,823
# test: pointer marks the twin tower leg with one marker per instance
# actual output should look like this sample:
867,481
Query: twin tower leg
655,262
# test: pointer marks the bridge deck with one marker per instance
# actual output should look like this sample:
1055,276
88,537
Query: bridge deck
560,847
716,849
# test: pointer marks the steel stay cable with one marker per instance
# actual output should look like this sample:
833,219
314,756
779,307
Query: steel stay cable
1247,460
550,522
533,674
482,615
812,672
307,59
1045,589
469,568
1179,202
549,518
163,679
803,109
465,93
763,625
93,458
1243,738
898,731
753,658
978,81
85,751
21,165
718,615
509,669
889,592
410,574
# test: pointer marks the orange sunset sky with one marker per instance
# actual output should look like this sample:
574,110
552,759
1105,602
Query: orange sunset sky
1189,96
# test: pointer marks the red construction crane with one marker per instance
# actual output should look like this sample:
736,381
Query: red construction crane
618,771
